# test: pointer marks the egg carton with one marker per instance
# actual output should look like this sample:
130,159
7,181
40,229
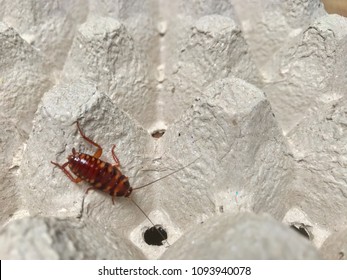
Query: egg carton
231,113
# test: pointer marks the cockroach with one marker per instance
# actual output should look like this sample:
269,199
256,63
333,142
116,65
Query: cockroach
101,175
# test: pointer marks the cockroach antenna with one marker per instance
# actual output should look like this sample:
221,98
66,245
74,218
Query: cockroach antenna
150,183
101,175
167,175
143,212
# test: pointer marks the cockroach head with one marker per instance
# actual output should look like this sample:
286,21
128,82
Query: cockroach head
128,193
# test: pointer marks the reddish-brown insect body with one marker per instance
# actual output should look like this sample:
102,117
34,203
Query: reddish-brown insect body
104,176
101,175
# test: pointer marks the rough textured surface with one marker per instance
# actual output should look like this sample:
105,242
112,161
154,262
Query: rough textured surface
55,134
47,25
300,220
335,247
55,239
240,237
187,197
104,53
269,25
140,18
23,80
220,81
241,153
214,49
308,72
319,149
10,141
177,18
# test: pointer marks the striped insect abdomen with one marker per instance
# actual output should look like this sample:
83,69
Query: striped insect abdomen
111,180
102,175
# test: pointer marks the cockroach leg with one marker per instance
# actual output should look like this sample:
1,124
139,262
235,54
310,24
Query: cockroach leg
67,173
104,176
117,163
90,188
98,152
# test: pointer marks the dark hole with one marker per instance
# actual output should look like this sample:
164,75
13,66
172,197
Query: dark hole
155,236
158,133
301,230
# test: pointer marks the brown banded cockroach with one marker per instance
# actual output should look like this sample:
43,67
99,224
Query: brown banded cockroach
103,176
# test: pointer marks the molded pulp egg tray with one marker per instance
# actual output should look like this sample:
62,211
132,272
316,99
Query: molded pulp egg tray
239,108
